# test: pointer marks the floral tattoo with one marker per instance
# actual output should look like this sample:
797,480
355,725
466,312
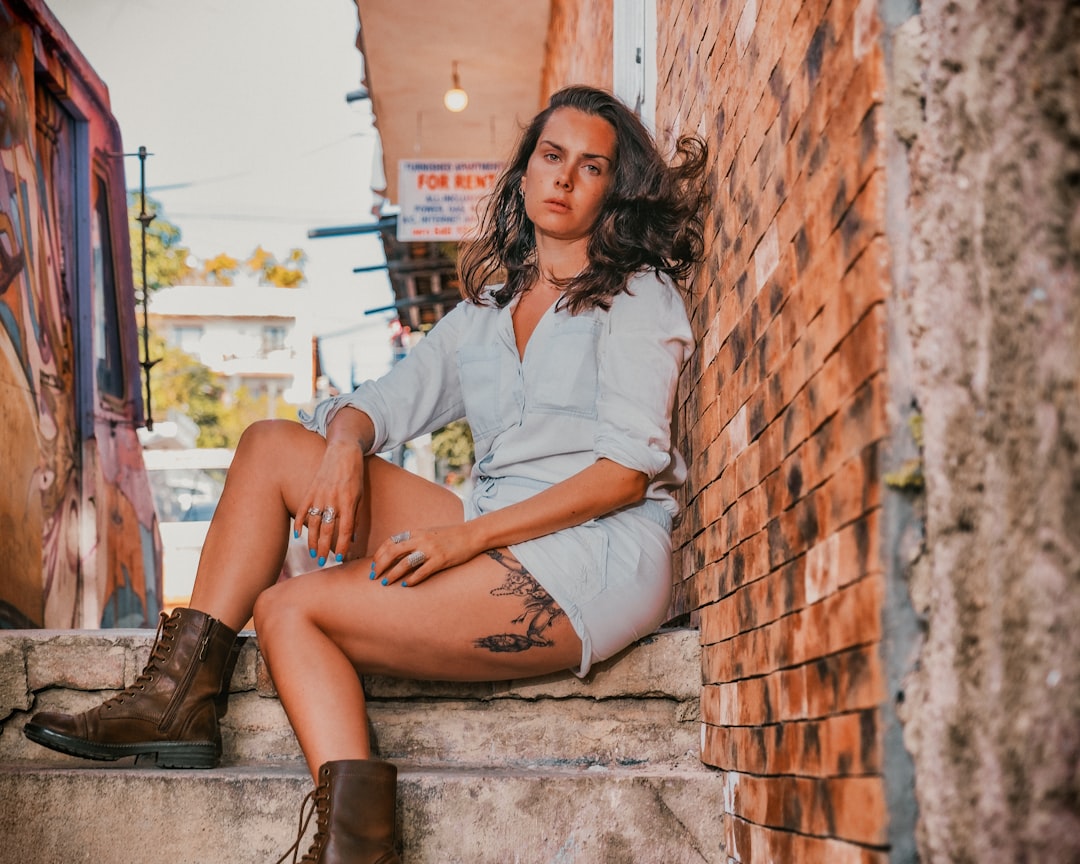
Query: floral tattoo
540,610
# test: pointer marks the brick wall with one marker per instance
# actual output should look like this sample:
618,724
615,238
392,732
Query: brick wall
782,410
783,413
579,46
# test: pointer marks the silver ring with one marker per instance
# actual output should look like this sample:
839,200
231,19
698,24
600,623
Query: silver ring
415,559
398,538
328,516
313,511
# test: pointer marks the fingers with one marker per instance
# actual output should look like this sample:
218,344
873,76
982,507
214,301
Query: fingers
399,560
329,533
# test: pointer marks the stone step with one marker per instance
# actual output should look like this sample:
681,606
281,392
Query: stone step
554,769
639,708
447,815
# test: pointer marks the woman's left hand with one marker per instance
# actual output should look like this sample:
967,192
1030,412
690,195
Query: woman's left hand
413,556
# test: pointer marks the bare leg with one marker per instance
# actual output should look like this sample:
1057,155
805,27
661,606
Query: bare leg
484,620
245,545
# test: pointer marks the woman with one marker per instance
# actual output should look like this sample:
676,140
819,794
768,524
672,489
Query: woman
566,373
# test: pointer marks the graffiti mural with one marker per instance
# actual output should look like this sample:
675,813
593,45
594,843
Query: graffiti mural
79,545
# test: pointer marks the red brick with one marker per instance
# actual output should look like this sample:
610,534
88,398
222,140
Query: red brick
859,809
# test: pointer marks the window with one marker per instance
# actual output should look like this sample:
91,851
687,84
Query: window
187,338
273,339
634,53
108,359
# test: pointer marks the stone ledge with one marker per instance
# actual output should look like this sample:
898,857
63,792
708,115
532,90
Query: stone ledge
478,815
641,707
664,665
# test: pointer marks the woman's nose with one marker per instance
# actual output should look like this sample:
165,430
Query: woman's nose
562,179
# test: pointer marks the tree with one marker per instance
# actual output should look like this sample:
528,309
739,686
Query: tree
289,274
453,449
220,270
166,258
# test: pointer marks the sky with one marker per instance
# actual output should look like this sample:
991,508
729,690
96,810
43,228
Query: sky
242,104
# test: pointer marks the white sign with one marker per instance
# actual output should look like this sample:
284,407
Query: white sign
439,199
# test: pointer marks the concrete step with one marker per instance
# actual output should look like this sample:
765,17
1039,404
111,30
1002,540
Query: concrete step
449,815
640,708
555,769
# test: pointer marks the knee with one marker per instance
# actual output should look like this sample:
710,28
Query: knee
276,618
260,435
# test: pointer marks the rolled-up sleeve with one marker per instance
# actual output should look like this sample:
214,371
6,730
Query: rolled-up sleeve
643,349
420,393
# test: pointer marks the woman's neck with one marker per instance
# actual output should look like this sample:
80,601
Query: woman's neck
561,261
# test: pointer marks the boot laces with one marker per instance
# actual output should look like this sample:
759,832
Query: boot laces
163,640
317,801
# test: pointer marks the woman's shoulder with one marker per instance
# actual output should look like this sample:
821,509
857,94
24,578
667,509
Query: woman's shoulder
651,298
468,309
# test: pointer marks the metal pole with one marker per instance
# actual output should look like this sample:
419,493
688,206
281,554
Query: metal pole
145,219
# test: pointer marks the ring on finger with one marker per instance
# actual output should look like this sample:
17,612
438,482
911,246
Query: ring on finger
314,511
328,516
415,559
398,538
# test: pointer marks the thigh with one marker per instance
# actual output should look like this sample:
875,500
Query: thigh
286,453
397,500
485,620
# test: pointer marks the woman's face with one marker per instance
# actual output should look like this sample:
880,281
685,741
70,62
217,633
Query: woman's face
569,174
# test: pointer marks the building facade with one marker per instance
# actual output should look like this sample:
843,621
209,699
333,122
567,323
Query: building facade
79,539
256,337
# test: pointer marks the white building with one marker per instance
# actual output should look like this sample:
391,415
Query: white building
256,336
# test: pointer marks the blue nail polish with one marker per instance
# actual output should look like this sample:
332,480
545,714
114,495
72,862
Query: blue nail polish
404,584
372,576
384,582
296,534
322,560
339,558
313,552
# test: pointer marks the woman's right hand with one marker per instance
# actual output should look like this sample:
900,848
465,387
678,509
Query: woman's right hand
336,488
339,484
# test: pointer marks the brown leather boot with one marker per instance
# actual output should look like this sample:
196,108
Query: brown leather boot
169,711
354,803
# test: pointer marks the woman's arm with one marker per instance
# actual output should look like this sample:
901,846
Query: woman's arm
595,491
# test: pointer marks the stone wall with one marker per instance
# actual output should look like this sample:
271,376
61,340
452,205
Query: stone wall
986,232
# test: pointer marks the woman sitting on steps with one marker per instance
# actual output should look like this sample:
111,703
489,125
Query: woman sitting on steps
561,556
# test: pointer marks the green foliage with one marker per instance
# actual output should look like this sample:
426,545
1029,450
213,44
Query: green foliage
166,258
453,444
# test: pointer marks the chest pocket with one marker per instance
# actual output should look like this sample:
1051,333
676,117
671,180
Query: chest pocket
486,388
564,378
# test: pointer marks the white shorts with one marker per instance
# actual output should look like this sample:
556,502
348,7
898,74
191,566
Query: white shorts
611,576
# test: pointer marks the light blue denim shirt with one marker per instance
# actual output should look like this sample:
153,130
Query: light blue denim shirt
598,384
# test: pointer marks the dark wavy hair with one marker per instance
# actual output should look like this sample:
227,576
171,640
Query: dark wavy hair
651,218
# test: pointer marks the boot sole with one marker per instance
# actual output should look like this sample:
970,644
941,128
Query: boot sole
167,754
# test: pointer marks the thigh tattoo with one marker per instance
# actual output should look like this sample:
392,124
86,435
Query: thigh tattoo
541,611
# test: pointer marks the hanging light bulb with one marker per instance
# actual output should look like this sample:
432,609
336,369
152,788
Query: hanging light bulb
455,99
